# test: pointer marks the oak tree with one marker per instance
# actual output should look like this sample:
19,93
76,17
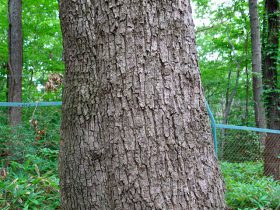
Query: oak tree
135,133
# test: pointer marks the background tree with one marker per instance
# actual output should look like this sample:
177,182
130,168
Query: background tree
224,48
135,132
42,49
256,64
42,53
15,60
272,87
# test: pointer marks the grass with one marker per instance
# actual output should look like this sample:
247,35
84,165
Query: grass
29,177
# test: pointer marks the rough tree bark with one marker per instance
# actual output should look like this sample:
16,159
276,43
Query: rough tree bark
271,84
15,60
135,132
257,64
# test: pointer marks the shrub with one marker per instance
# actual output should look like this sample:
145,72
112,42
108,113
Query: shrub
239,146
30,185
247,188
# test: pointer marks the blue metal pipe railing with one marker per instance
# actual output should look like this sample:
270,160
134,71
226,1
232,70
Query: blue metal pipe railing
214,126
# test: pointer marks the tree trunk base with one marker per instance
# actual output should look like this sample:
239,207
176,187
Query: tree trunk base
271,156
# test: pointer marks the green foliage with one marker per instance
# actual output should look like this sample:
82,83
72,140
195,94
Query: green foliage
247,188
30,185
239,146
33,183
223,44
3,48
224,49
15,140
28,178
13,143
42,48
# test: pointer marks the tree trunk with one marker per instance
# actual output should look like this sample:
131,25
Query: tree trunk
272,96
256,64
245,120
135,133
246,117
229,95
15,60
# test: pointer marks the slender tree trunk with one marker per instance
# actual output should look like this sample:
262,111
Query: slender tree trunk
247,83
272,96
228,105
246,56
15,60
256,64
135,133
229,95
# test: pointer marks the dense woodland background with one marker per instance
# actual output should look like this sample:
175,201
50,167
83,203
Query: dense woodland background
223,43
29,152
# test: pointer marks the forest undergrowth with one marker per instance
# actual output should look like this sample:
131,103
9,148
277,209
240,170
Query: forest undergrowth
29,175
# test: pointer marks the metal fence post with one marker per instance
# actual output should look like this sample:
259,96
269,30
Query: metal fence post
213,126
